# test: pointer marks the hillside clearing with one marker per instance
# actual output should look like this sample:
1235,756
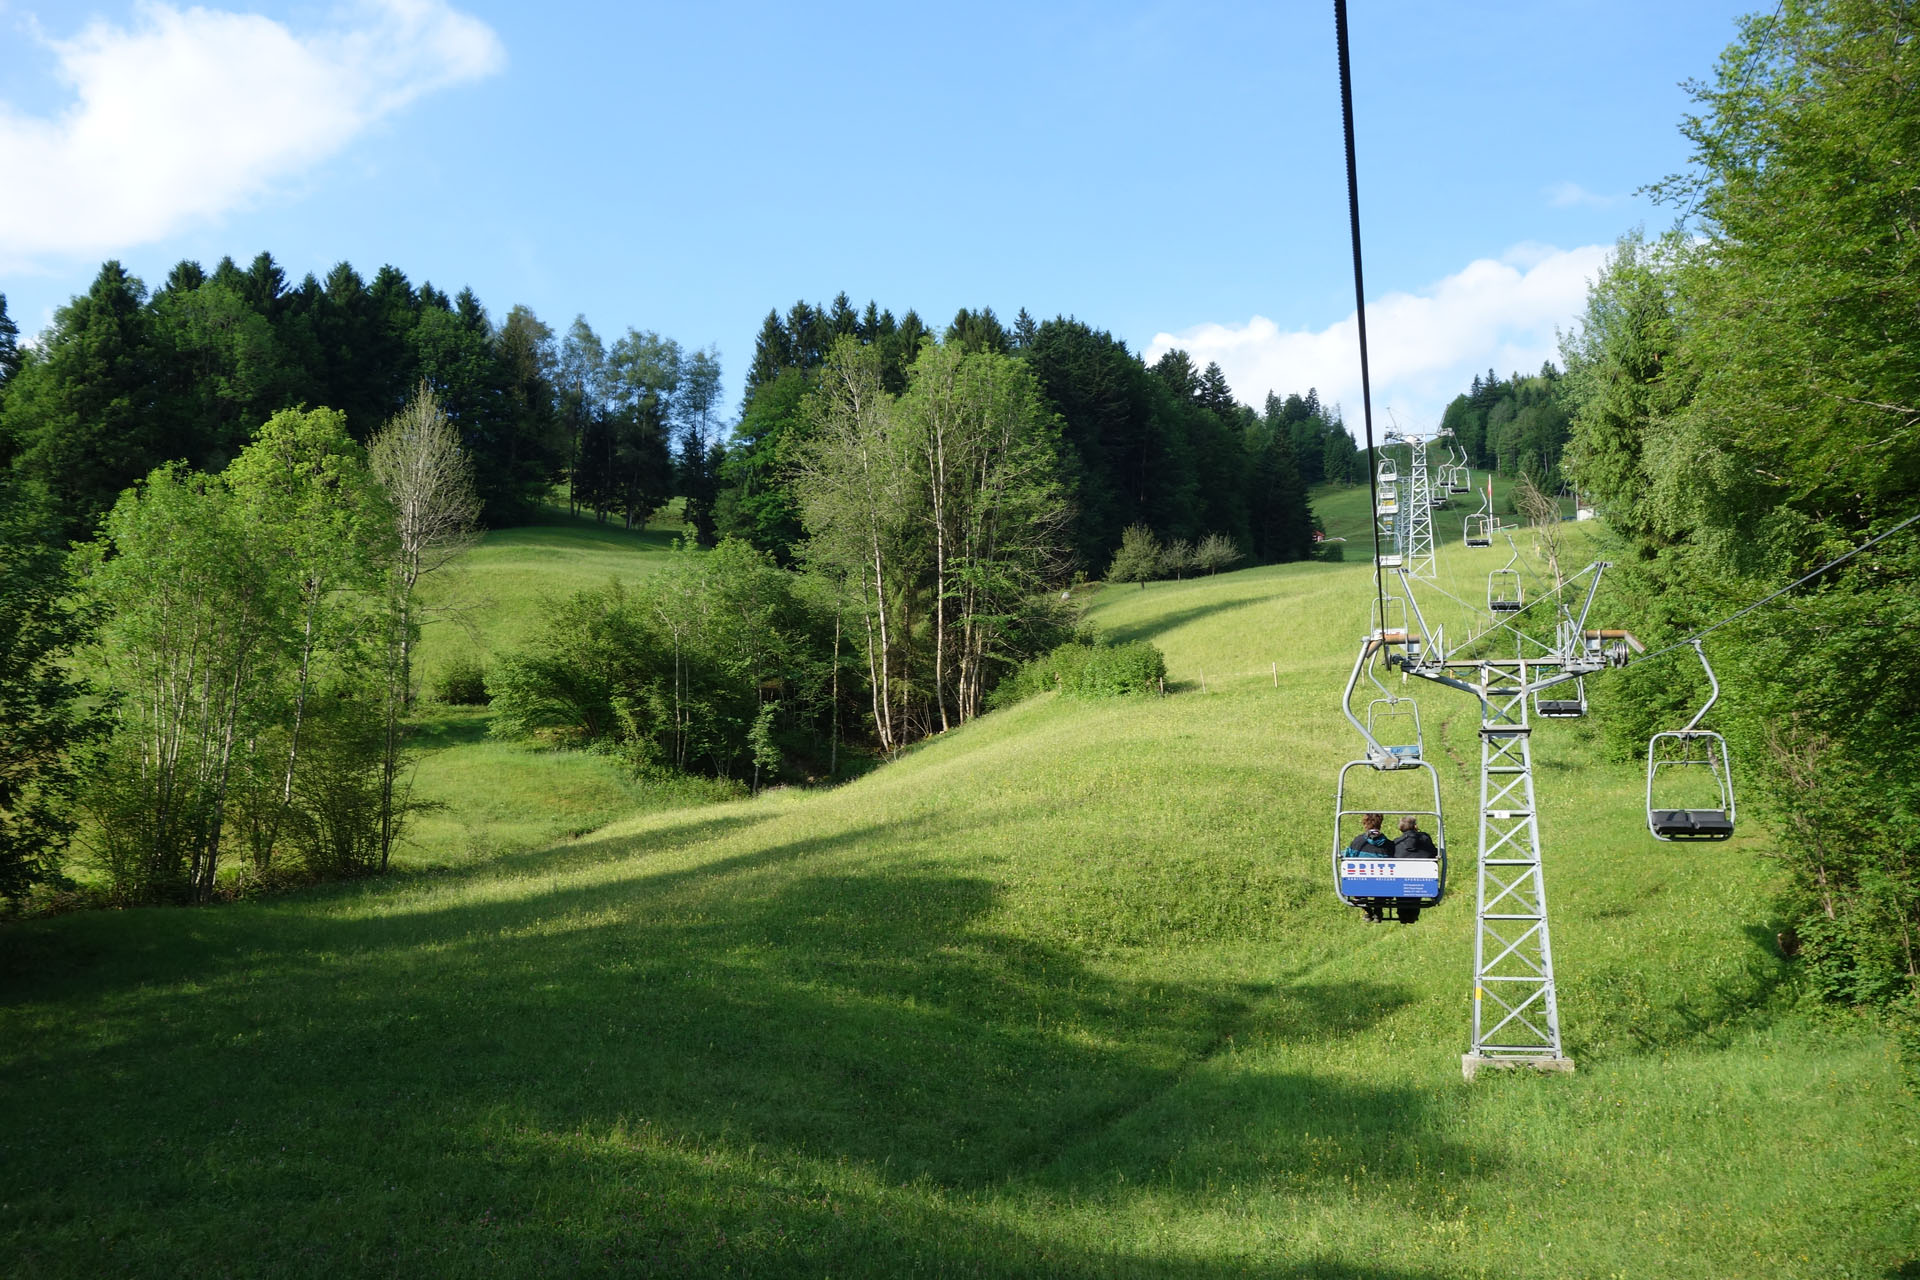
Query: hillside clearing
1064,992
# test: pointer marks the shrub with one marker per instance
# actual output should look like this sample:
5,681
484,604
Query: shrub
1138,558
1331,552
462,683
1087,670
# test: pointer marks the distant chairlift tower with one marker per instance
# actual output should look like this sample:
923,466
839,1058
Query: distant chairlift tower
1416,511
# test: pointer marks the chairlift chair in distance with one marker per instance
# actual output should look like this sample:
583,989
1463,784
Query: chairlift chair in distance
1553,703
1477,529
1395,724
1504,593
1700,756
1403,887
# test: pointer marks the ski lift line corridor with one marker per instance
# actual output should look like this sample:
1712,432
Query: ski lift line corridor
1515,1011
1515,1005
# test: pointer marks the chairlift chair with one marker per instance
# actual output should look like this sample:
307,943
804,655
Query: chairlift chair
1389,618
1477,529
1554,704
1389,473
1402,886
1394,723
1696,754
1504,593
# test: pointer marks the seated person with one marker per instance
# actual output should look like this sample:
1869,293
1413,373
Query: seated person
1370,843
1413,842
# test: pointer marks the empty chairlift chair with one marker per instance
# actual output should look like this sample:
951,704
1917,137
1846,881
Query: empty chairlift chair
1394,723
1478,530
1566,701
1690,767
1504,594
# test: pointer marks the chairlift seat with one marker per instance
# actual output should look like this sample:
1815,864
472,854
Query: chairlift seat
1690,824
1560,708
1505,606
1411,751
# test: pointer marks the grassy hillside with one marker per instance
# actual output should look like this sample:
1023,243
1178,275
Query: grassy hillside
495,797
1066,992
497,590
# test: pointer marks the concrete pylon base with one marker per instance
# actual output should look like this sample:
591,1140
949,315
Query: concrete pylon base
1472,1064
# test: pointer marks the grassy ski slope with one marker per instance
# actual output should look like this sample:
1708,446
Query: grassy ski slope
1065,992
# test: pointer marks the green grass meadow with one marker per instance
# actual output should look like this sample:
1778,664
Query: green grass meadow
493,595
1345,511
1066,992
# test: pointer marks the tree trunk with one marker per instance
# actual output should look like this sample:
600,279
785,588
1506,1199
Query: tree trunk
301,681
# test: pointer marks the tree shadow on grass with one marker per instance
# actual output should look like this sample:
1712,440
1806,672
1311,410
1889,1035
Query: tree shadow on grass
781,1014
1651,1011
1148,629
1237,1121
97,950
451,727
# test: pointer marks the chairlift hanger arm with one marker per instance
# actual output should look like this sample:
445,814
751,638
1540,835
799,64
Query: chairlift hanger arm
1367,647
1712,697
1599,568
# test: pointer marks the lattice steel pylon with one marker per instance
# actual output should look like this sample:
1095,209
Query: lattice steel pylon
1419,507
1516,1010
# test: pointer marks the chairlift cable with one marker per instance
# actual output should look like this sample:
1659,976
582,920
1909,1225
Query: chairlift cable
1359,294
1835,563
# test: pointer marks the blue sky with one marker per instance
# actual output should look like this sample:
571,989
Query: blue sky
1171,172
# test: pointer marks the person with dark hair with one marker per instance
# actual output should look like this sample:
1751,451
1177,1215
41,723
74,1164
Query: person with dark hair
1413,842
1371,843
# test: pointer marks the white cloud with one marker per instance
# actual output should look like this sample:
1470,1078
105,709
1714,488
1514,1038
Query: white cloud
1566,195
1423,348
188,113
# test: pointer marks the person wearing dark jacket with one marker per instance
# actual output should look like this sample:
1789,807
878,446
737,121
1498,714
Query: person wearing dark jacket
1371,843
1413,842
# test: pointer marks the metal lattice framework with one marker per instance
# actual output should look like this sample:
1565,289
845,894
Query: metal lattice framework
1419,546
1516,1014
1516,1009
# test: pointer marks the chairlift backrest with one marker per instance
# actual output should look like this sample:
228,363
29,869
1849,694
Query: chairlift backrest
1394,723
